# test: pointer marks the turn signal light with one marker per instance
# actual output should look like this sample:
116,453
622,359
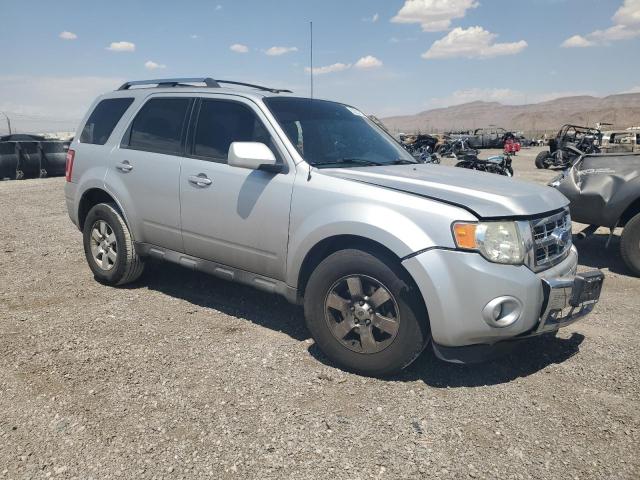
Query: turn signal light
465,235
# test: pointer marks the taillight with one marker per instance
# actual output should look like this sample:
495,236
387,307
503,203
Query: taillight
68,170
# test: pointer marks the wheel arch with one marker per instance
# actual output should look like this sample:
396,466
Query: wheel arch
92,197
631,211
330,245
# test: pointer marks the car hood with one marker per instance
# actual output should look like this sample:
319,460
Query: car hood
485,195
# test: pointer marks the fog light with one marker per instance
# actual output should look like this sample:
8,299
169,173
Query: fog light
502,311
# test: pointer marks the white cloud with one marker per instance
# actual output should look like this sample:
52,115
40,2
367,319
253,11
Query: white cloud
373,19
628,13
151,65
626,25
368,62
336,67
68,35
433,15
194,36
218,7
277,51
239,48
577,41
122,47
635,89
473,42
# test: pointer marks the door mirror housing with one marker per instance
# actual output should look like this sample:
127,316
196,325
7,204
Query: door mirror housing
253,156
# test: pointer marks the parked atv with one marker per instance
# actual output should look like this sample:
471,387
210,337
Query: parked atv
604,191
570,143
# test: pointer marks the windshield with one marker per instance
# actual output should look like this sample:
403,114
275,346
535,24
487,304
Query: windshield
329,134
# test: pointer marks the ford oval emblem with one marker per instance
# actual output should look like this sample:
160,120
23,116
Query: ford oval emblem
562,237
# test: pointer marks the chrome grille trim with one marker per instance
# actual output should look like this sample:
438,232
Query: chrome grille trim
551,239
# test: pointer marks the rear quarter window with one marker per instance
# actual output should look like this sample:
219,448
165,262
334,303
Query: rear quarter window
103,120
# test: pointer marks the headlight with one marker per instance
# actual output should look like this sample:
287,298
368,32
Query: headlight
498,242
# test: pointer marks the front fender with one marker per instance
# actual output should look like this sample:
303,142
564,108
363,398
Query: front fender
381,224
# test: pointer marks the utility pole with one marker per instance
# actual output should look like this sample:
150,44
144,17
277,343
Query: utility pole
8,122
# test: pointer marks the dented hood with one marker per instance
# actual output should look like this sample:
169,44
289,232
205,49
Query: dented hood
601,187
485,195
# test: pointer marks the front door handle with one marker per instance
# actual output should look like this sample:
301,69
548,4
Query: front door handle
200,180
125,166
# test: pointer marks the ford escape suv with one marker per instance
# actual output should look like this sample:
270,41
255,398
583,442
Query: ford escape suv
311,200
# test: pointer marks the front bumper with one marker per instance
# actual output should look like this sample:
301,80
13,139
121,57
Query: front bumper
457,286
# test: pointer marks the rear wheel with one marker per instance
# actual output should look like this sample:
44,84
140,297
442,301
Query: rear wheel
363,313
109,247
540,160
630,245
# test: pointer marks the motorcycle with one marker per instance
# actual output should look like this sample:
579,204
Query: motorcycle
498,164
455,148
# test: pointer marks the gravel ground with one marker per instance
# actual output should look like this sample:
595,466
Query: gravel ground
182,376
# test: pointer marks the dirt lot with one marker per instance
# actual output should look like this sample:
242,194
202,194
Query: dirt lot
183,376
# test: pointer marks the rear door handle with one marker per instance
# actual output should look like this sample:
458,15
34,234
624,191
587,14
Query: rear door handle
125,166
200,180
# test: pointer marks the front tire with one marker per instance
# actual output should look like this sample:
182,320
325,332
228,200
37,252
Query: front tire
364,314
109,247
630,245
540,160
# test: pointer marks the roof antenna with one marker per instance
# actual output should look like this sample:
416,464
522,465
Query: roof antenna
311,74
311,53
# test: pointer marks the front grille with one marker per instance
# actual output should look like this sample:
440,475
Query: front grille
551,238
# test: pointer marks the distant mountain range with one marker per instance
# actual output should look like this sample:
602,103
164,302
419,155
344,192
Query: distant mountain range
622,110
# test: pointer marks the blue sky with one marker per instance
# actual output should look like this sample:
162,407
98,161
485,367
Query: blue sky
384,56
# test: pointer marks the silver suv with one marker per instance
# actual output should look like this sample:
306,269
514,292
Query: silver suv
311,200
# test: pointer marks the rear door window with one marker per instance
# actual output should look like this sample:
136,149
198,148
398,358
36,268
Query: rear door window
159,125
103,120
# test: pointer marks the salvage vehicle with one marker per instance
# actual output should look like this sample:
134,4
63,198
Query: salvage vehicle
571,143
620,141
310,199
492,137
604,191
498,164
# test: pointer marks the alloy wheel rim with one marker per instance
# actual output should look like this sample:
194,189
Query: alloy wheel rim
362,314
104,246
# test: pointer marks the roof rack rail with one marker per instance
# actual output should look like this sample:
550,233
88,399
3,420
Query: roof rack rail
171,82
209,82
259,87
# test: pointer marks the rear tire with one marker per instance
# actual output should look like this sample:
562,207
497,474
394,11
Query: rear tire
540,160
109,247
630,245
364,314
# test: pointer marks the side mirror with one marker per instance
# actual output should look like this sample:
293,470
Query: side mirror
253,156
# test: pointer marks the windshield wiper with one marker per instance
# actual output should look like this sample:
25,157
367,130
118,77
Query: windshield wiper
359,161
403,161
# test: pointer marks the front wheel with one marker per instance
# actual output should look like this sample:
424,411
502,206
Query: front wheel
109,247
364,314
630,245
541,160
